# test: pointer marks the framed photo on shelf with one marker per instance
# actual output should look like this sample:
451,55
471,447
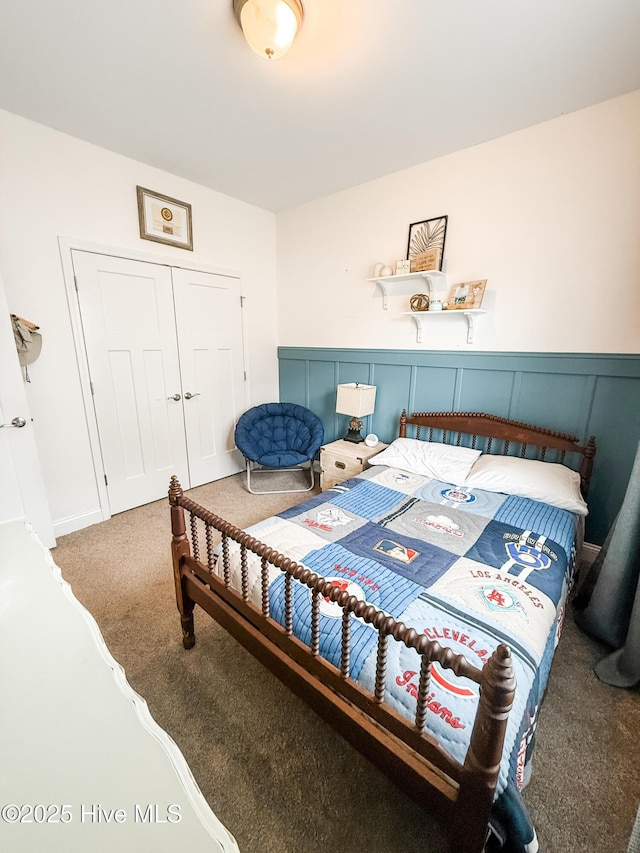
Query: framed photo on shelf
427,235
466,295
164,219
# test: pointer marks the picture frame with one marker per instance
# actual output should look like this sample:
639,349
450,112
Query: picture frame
466,295
424,261
426,235
163,219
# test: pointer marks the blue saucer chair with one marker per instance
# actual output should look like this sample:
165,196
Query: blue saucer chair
279,437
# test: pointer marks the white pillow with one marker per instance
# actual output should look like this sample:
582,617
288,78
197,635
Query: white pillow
445,462
548,482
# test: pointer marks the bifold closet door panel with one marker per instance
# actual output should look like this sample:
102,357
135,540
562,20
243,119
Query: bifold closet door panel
209,324
129,329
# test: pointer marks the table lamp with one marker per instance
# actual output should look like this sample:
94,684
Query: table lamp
356,400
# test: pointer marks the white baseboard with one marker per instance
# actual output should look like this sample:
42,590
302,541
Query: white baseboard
589,553
77,522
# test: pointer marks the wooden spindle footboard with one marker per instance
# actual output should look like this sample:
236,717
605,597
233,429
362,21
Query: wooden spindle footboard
462,794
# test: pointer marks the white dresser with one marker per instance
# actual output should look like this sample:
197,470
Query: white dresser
342,459
84,767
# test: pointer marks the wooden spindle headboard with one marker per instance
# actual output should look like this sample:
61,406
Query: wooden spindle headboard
501,435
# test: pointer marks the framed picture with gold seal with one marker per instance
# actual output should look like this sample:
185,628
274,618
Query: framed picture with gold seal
164,219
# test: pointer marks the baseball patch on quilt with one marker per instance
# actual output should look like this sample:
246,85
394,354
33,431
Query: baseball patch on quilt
289,538
523,554
459,497
452,701
401,481
449,528
548,521
328,521
416,560
501,600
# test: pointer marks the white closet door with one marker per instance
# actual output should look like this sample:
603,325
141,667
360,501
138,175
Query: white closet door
129,329
209,322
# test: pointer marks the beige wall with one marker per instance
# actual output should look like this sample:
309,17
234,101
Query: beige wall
550,216
53,185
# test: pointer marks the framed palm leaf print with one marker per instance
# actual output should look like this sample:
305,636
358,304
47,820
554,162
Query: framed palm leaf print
427,235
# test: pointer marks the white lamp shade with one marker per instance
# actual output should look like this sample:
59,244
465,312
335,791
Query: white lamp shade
269,26
356,400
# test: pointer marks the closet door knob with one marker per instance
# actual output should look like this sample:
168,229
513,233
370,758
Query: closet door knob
175,397
16,422
189,395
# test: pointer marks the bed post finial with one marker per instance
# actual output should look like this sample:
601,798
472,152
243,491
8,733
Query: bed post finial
179,549
403,424
482,763
175,490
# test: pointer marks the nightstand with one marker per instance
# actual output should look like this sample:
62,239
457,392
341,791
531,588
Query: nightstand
342,459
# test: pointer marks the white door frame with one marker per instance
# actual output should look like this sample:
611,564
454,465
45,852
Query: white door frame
66,246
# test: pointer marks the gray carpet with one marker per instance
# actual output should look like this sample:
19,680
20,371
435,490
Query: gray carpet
276,775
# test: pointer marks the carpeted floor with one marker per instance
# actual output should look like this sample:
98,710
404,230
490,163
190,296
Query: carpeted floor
276,775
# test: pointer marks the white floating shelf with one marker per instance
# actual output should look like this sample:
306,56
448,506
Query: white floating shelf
420,316
434,279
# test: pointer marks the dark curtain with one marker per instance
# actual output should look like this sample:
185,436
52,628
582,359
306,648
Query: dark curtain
608,604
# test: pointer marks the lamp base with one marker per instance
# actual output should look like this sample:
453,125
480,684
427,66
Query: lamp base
354,434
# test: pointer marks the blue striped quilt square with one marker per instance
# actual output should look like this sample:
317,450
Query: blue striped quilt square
362,577
542,519
293,511
367,499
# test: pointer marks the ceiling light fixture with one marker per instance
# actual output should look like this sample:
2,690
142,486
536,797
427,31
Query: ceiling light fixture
270,26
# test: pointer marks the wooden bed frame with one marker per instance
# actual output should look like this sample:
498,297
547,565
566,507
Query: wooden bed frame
459,794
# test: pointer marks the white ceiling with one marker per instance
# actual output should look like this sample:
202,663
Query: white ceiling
369,87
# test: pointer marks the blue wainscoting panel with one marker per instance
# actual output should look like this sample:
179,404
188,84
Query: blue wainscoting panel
582,394
484,391
294,381
435,384
555,400
321,397
393,383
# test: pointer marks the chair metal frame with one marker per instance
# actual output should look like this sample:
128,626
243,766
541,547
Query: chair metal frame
261,469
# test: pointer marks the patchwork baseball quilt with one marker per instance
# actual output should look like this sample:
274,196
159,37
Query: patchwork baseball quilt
469,568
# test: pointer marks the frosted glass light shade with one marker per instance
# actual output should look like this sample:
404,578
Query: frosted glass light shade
269,26
356,400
